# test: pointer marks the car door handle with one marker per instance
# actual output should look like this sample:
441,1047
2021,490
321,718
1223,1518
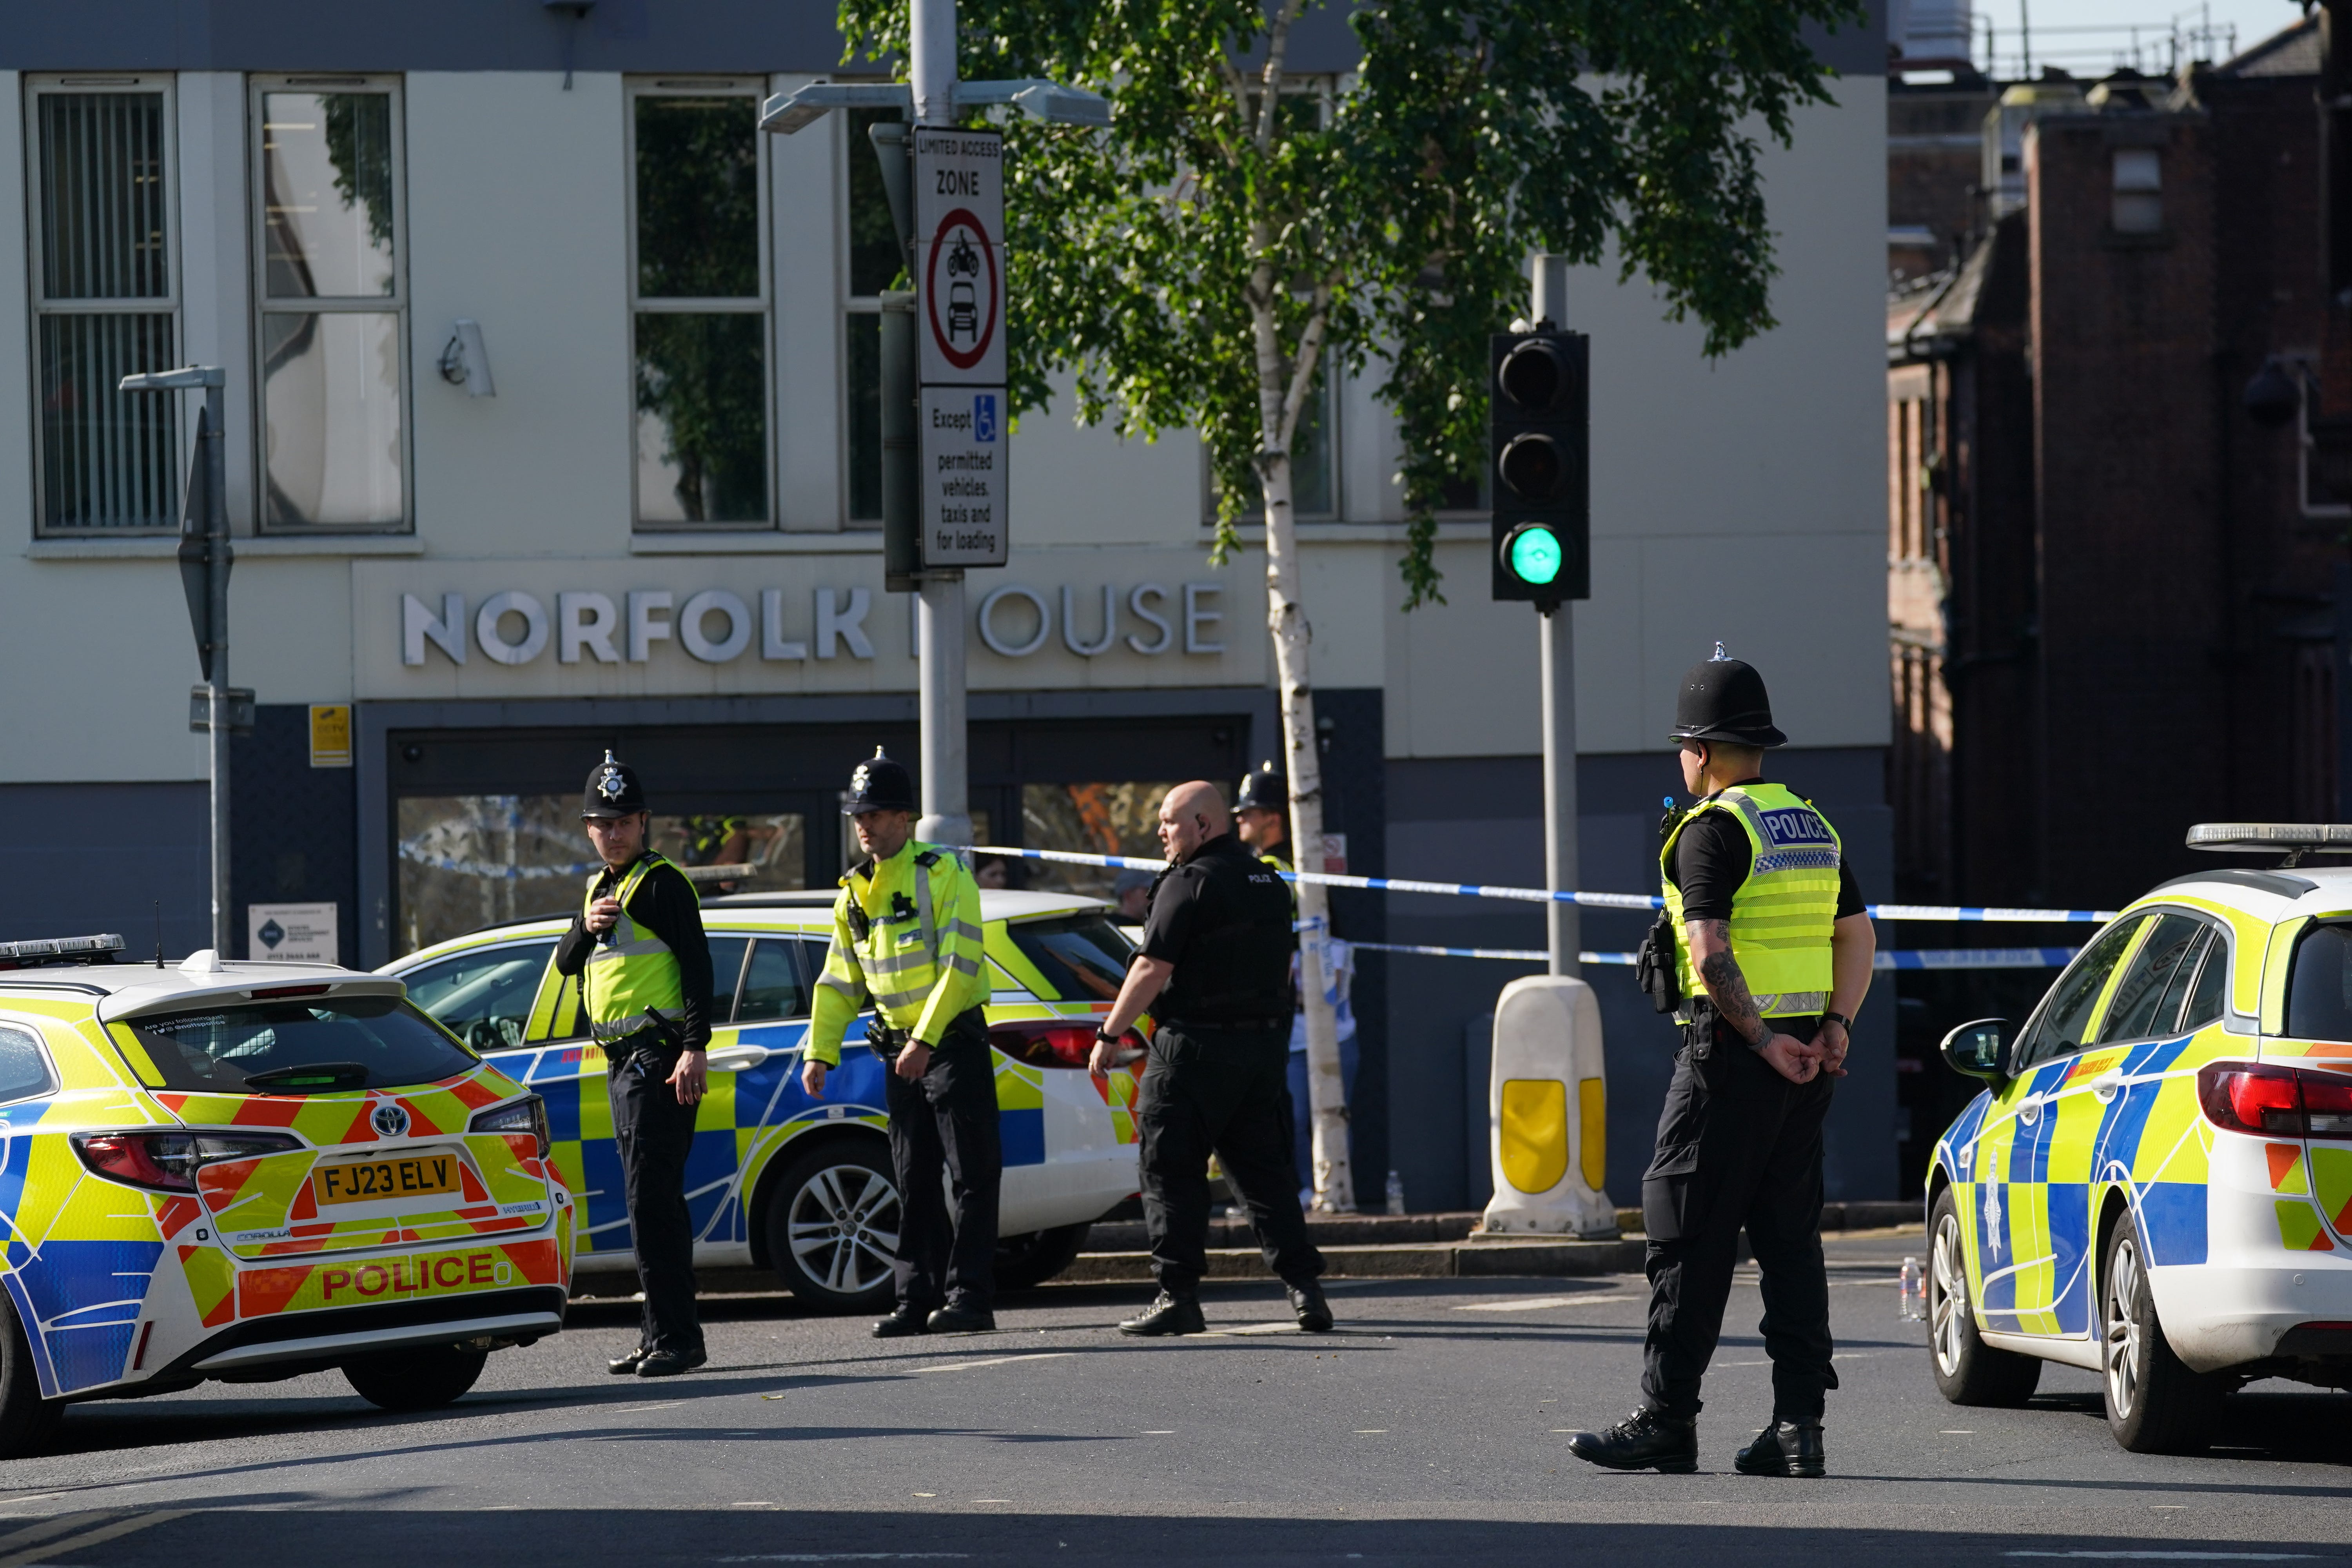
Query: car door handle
2028,1109
737,1059
2107,1085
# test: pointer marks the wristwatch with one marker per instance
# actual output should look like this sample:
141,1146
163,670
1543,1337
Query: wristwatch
1840,1019
1103,1037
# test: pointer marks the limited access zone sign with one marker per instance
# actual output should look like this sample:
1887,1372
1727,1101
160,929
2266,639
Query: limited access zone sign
960,315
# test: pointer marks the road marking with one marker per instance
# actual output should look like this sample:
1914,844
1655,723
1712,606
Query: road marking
992,1499
1960,1432
103,1533
994,1360
635,1409
844,1557
1539,1303
1848,1355
1160,1431
1289,1327
1369,1431
2137,1556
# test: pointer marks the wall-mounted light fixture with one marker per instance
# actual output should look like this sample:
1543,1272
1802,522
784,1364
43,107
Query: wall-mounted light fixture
466,362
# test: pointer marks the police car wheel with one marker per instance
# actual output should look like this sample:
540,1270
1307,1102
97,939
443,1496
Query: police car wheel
1037,1256
832,1221
1968,1371
28,1421
2154,1405
423,1379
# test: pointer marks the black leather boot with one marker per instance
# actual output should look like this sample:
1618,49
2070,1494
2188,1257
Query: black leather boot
670,1364
959,1319
626,1365
1168,1314
903,1321
1783,1448
1314,1313
1645,1440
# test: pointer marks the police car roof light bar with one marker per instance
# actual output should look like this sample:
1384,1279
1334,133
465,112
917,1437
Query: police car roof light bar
98,949
2296,838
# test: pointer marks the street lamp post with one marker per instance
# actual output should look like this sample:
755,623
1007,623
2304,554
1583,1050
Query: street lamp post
204,561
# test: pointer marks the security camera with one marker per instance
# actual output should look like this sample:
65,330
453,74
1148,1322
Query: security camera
466,362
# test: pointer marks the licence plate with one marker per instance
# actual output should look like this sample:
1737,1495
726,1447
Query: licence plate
373,1181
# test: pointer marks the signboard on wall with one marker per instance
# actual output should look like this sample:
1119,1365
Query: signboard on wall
292,934
959,257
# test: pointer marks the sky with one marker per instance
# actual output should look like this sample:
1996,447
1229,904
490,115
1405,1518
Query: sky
2254,20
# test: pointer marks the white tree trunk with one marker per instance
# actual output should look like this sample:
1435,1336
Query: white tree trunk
1326,1096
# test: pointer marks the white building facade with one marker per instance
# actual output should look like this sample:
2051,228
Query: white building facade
657,532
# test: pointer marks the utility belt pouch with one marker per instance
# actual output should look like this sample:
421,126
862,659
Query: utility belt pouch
1653,965
1700,1031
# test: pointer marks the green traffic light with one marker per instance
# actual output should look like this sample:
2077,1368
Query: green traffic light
1533,554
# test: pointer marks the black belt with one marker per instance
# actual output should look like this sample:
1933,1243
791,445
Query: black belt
1280,1022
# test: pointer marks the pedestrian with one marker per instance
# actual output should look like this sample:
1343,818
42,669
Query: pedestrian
645,983
907,938
1261,818
1214,968
1772,956
1130,895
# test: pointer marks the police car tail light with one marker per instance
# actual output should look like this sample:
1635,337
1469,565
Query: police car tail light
167,1161
2276,1101
1046,1045
526,1117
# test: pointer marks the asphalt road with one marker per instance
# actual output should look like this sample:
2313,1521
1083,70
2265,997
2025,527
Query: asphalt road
1432,1428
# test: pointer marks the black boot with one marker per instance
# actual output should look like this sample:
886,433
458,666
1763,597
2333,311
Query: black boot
957,1319
626,1365
1168,1314
1645,1440
670,1364
1783,1448
903,1321
1313,1312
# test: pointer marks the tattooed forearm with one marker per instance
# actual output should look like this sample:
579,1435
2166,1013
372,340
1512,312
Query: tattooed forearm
1719,972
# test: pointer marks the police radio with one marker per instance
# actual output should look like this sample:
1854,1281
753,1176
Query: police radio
1538,444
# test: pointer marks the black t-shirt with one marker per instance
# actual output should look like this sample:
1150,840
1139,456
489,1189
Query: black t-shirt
1712,857
665,906
1223,918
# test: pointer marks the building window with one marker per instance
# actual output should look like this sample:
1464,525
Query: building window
872,263
105,292
332,315
2138,191
698,281
1314,462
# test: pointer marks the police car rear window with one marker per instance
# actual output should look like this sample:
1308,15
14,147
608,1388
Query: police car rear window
1082,957
313,1045
2319,986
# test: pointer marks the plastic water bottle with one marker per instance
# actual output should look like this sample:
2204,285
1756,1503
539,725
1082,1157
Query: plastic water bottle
1910,1298
1396,1194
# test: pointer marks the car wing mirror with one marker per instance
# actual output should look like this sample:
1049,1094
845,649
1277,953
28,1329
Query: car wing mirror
1979,1049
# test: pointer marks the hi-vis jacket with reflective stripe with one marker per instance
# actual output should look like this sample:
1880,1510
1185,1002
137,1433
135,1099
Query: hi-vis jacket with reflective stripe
633,972
906,933
1782,914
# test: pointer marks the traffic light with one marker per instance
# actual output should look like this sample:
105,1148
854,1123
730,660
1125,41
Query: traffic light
1539,446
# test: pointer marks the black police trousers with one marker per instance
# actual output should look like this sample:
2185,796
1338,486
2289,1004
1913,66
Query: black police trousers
945,1121
1218,1091
654,1133
1739,1146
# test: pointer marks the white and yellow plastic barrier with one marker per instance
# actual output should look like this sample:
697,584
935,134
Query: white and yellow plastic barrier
1547,1106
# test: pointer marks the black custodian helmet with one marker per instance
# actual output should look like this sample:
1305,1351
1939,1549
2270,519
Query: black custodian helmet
613,790
1264,790
879,785
1723,700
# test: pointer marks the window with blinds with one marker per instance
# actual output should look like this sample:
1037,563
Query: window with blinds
105,291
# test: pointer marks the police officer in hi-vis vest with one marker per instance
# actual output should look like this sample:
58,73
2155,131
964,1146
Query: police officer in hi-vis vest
645,969
1771,956
907,935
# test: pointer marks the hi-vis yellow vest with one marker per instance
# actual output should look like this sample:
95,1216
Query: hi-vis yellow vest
1781,916
633,972
907,935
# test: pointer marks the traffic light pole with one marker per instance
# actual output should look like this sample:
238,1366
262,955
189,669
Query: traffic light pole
1557,634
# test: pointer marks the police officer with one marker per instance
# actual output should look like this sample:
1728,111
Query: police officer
645,968
1262,815
1772,951
1215,967
907,936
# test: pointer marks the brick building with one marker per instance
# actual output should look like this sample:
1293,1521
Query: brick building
2110,586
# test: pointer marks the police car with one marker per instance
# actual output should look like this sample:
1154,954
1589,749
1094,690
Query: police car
245,1172
2156,1183
778,1179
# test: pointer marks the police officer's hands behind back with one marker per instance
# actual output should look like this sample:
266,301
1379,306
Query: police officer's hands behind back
1832,1044
1792,1058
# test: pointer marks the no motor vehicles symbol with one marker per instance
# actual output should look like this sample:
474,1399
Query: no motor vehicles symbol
962,290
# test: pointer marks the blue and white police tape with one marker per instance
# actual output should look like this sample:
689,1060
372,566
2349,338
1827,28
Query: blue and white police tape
1990,915
1917,958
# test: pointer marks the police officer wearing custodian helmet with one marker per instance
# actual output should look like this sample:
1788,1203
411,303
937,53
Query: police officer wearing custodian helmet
645,968
1772,953
1215,960
907,935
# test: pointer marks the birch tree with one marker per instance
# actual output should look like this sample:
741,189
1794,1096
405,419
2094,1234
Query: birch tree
1245,230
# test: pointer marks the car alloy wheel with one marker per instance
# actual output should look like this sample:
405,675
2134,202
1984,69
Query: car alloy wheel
2122,1341
842,1218
1948,1296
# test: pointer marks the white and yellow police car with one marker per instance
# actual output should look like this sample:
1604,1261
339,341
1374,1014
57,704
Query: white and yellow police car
245,1172
2156,1183
777,1179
